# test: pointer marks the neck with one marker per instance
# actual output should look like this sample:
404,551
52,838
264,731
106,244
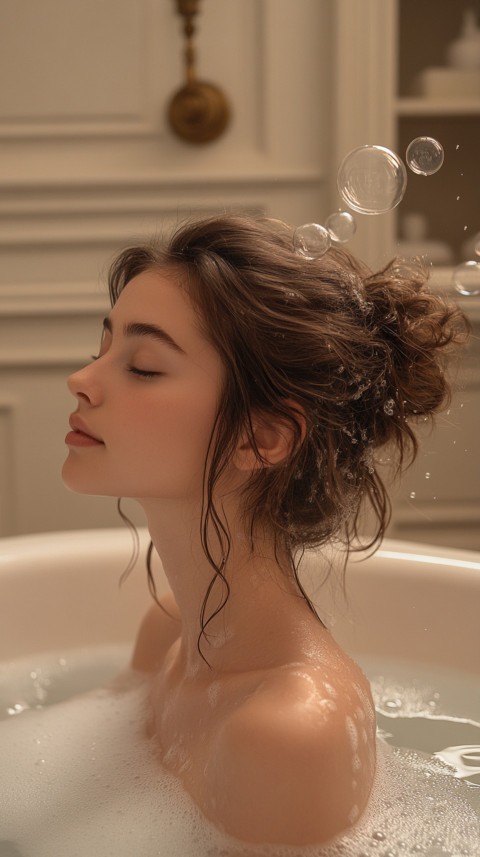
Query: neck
264,610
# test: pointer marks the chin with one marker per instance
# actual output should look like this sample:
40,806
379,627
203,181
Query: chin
77,479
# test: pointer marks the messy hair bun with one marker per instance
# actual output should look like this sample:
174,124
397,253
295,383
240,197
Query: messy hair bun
361,354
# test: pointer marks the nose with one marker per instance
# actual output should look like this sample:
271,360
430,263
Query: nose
85,385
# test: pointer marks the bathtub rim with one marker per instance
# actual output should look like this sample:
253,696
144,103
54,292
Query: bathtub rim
453,574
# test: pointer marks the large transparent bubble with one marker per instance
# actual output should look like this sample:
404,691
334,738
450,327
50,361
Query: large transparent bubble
341,226
466,278
372,180
424,156
311,240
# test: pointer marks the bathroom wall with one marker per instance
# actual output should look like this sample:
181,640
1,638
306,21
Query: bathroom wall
89,164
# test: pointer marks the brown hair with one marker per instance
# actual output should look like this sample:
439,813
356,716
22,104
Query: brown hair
360,353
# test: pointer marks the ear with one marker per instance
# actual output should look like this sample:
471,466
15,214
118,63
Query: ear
274,436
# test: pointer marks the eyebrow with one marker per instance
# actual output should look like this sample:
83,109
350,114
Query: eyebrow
140,328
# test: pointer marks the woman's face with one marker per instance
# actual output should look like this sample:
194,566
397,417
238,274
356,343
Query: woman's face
150,399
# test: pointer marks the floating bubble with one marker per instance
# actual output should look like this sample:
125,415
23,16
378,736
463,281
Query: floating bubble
466,278
424,156
341,226
378,835
372,180
311,240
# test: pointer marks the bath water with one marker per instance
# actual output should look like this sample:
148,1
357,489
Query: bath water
80,777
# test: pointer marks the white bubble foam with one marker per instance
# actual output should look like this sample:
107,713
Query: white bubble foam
81,778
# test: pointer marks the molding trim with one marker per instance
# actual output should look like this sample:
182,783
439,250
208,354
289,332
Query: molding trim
33,131
365,33
30,300
31,359
7,494
260,172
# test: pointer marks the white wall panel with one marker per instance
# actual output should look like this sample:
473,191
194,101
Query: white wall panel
68,59
88,164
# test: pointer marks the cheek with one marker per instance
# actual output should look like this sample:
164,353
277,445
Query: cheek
172,436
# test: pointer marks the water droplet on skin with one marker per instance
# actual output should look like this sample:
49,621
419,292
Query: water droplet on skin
353,814
466,278
371,180
424,156
413,494
427,475
341,226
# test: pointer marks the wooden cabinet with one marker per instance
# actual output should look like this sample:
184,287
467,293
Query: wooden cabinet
435,100
381,50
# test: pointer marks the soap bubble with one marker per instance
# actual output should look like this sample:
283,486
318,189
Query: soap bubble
372,179
424,156
311,240
341,226
466,278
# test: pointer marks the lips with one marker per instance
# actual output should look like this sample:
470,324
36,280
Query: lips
77,425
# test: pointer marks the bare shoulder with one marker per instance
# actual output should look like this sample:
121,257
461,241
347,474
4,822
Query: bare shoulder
156,634
303,751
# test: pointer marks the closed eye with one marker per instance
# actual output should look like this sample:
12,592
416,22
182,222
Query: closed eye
143,373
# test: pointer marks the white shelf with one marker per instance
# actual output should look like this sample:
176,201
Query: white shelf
437,106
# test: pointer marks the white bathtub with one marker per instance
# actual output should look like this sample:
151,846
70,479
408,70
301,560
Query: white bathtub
408,601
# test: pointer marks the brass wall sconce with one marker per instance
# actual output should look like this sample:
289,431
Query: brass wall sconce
199,111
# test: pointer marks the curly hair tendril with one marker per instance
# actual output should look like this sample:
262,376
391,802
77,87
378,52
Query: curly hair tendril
361,355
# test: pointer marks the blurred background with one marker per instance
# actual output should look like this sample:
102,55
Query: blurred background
90,162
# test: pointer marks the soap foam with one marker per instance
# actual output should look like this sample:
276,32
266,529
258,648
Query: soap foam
81,778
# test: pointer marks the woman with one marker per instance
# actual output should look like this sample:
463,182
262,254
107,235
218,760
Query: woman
241,394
